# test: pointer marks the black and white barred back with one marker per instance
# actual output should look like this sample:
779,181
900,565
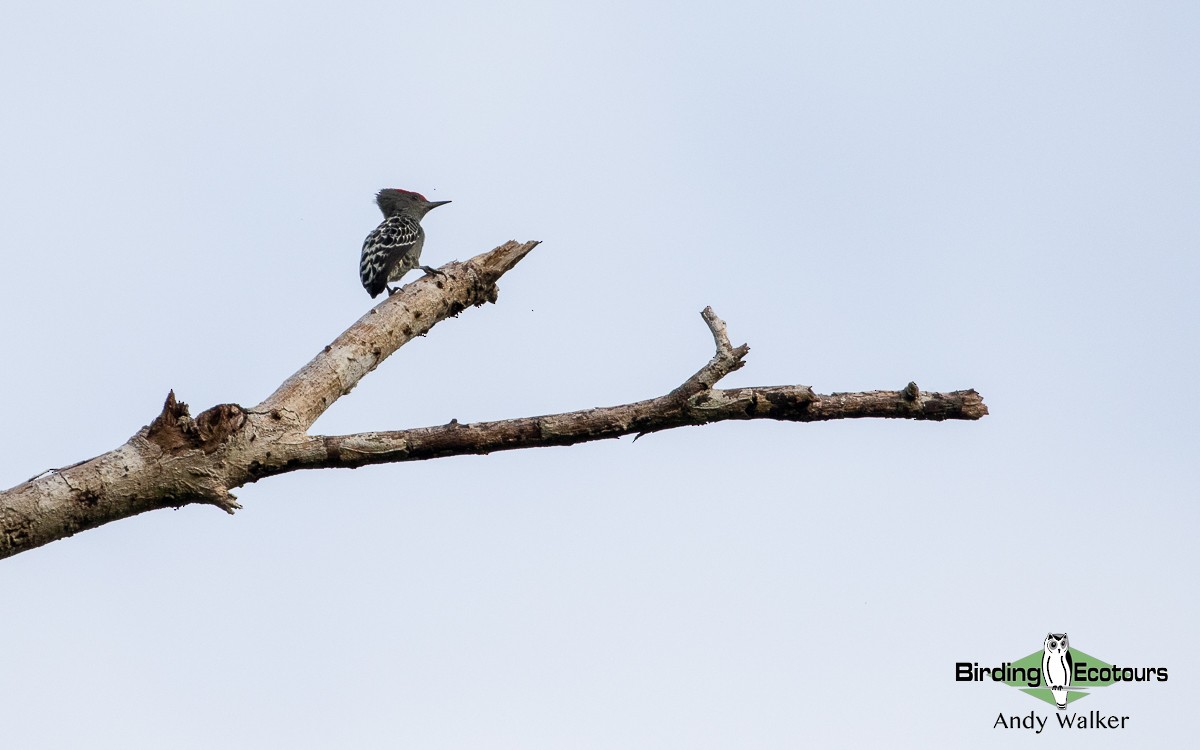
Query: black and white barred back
390,251
394,248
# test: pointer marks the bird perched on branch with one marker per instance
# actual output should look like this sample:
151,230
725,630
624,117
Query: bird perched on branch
394,247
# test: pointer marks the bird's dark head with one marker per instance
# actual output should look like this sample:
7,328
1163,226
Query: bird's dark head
393,201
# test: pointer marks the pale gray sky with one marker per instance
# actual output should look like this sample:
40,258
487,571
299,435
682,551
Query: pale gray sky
998,196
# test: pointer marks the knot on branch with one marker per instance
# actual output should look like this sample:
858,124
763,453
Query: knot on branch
175,431
483,291
485,270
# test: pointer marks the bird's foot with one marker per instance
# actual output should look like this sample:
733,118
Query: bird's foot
391,291
430,270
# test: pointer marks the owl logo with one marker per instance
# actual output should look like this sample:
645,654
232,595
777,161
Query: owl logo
1057,667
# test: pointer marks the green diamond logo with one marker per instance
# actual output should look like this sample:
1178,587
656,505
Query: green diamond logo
1077,690
1065,674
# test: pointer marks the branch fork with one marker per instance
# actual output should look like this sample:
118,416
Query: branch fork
178,460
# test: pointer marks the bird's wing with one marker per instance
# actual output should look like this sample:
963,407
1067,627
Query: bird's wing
383,248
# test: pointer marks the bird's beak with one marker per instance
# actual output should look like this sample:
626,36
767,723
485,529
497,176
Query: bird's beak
435,204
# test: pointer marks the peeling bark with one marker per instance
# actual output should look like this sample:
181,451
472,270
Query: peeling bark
178,460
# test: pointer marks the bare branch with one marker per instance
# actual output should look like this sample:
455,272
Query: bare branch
391,324
726,360
784,403
177,459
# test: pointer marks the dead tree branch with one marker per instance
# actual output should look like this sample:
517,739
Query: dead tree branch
178,460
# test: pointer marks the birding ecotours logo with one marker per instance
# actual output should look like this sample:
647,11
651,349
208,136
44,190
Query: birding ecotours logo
1057,673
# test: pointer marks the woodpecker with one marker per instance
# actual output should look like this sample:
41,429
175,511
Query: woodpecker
394,247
